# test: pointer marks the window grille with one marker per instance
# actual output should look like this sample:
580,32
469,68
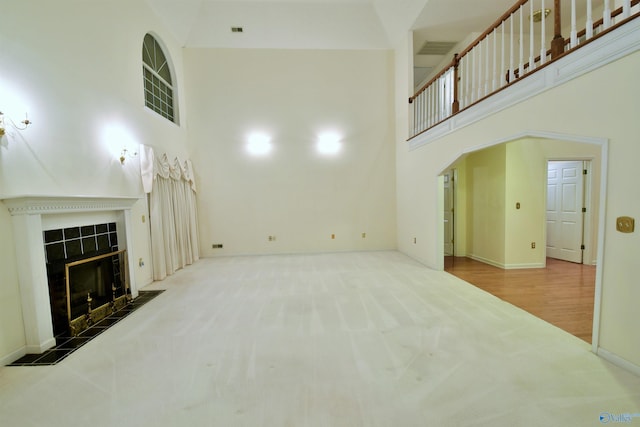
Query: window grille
158,86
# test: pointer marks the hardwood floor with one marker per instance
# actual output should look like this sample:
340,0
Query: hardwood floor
561,294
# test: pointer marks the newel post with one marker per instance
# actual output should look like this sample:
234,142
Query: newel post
455,107
557,44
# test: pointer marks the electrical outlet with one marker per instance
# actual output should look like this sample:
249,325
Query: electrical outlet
415,240
271,238
333,236
216,246
364,235
533,245
140,263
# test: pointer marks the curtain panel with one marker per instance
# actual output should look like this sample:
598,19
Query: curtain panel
172,212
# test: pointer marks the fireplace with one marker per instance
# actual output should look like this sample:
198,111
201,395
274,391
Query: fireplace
33,218
86,274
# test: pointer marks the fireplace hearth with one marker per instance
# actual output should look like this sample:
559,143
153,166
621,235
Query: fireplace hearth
65,345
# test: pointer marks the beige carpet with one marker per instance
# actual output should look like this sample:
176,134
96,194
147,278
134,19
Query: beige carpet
350,339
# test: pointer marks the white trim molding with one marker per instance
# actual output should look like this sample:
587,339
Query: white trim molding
42,205
618,361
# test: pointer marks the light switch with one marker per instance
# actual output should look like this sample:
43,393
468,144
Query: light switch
625,224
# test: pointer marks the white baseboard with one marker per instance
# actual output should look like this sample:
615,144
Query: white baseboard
13,356
618,361
520,266
37,349
486,261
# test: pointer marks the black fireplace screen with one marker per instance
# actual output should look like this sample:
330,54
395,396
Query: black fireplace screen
95,288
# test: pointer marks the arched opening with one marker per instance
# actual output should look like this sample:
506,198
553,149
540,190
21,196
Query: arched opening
501,227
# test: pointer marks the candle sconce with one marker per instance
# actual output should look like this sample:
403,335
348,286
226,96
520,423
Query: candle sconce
3,120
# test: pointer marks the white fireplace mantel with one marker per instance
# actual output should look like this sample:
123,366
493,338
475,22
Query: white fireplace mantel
27,214
42,205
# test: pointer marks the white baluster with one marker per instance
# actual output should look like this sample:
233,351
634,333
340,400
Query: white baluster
574,30
427,97
494,85
467,73
626,9
589,22
512,75
415,114
606,15
472,88
521,43
479,49
432,103
469,91
437,111
543,37
502,49
462,75
423,109
438,101
487,77
532,63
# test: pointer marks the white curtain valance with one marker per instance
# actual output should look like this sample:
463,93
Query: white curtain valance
153,166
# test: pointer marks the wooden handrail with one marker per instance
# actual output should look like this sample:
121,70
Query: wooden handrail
495,25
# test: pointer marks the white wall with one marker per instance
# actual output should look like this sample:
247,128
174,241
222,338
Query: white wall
294,193
602,103
75,68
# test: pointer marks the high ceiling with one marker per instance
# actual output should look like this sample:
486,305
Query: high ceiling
323,24
329,24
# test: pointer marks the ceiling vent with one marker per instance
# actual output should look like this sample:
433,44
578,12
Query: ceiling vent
236,29
436,48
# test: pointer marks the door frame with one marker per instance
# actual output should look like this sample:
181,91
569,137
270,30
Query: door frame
589,256
453,178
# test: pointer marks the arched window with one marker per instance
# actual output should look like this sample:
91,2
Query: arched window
158,84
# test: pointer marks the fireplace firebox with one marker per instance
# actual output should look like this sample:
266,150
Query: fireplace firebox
86,274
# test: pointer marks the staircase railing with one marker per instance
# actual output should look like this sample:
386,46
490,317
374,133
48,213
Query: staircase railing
524,39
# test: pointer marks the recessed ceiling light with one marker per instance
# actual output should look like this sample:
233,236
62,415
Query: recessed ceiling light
236,29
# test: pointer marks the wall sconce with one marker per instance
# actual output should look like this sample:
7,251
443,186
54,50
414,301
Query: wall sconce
3,130
329,144
124,154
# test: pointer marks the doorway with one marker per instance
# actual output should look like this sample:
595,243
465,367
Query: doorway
449,212
567,193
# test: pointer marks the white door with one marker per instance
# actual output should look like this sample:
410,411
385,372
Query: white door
448,213
565,216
